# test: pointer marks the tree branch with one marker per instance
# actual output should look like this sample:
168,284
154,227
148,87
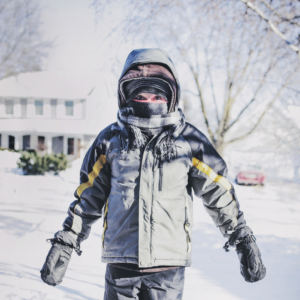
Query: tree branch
259,119
17,42
240,86
228,87
272,26
291,21
211,81
184,56
249,103
195,75
189,91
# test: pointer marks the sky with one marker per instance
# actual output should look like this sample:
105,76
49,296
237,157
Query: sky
80,43
71,25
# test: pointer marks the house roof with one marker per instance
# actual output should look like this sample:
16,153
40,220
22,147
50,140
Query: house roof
54,84
101,104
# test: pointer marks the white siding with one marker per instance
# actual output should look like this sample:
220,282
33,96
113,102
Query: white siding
17,108
47,109
30,108
60,112
2,108
18,142
48,142
33,141
4,140
77,109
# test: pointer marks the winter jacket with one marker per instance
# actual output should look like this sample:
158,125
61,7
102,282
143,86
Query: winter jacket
148,206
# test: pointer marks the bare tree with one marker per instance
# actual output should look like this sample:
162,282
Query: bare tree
276,146
286,15
234,66
21,46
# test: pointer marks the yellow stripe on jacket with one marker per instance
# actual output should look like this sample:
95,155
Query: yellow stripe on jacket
76,225
105,222
95,172
201,166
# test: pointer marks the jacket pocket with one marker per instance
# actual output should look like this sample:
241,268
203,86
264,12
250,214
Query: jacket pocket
187,228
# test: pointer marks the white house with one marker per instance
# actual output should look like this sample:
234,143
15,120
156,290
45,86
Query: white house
55,111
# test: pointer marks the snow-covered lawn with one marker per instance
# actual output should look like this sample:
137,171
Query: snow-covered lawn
32,209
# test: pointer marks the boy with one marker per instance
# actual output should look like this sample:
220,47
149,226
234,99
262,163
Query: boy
142,170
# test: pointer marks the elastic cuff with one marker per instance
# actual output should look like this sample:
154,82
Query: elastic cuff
66,237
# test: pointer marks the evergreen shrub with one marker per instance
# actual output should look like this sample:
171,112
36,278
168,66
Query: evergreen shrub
34,164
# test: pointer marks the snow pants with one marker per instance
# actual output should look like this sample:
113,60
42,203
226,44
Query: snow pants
122,284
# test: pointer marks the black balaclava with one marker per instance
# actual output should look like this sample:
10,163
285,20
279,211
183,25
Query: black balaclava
156,86
146,110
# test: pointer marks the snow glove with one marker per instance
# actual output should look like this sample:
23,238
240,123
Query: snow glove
58,258
251,265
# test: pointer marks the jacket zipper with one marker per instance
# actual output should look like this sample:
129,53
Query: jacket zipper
187,227
160,167
146,148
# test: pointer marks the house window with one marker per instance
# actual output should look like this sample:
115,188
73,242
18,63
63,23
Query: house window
53,103
11,142
23,108
9,107
38,107
41,143
26,142
70,146
69,108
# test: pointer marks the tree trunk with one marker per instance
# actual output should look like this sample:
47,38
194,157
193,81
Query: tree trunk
220,145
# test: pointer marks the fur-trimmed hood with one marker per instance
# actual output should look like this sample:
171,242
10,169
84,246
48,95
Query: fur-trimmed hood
144,63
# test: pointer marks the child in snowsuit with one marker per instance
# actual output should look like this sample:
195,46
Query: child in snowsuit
140,172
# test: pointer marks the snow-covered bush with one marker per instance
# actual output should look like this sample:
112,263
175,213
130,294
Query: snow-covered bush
57,162
33,164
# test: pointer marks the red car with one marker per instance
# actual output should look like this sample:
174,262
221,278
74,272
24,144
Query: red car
251,176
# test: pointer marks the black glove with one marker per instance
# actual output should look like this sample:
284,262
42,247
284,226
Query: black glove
58,258
251,265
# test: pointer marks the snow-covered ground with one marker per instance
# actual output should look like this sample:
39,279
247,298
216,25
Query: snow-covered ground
32,209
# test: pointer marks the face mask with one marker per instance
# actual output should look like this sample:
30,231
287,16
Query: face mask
145,110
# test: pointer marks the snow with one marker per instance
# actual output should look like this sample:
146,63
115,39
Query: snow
72,174
8,160
34,207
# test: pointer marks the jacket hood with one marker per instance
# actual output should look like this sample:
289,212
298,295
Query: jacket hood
144,63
